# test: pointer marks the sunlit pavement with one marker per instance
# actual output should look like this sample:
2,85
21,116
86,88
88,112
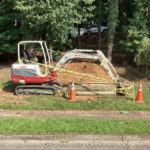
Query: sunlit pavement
74,142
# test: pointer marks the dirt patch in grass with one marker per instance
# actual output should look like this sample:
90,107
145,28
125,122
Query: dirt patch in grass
10,97
7,87
5,72
85,97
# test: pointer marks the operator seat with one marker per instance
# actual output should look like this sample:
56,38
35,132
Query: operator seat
25,56
31,55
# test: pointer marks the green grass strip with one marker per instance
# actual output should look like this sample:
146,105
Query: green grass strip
2,82
45,126
58,103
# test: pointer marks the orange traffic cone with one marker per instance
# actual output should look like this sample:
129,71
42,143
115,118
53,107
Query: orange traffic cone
72,93
139,97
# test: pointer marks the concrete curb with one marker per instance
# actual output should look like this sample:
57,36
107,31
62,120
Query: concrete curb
76,138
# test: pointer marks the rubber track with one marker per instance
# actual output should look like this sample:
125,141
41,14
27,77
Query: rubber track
38,91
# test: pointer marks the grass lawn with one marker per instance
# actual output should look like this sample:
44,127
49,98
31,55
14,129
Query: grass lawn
56,103
2,82
45,126
59,103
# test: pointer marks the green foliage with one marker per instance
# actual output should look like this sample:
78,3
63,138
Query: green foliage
84,9
126,10
51,20
45,19
137,27
143,55
10,30
2,82
58,103
58,48
136,31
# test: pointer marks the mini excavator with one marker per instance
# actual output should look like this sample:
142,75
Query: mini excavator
34,68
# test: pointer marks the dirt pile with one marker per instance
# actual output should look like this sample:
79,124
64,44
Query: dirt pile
86,68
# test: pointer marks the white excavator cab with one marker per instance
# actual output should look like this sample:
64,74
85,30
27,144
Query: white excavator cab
33,60
33,69
34,52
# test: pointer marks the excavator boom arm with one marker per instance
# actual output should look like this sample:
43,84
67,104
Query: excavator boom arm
85,54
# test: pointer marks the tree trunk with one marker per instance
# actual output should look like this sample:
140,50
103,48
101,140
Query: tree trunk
148,12
99,36
99,19
111,25
79,45
109,51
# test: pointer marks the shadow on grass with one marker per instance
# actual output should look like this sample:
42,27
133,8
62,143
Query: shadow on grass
9,86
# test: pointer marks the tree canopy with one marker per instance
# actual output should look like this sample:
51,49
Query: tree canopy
51,19
54,20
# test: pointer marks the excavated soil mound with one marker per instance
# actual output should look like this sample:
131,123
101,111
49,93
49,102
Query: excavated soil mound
92,69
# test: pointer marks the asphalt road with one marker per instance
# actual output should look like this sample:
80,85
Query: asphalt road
74,142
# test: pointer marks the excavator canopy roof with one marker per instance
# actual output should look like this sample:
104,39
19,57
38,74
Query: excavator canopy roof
26,42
